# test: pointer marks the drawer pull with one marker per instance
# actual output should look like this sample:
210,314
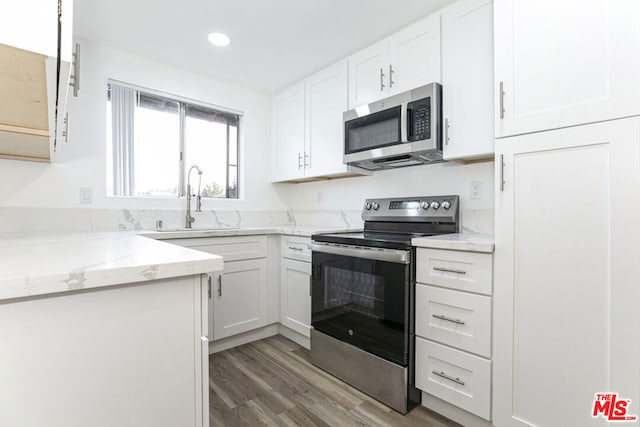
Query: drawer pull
441,374
449,270
296,249
448,319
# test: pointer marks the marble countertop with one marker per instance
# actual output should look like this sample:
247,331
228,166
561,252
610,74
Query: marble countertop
305,231
46,263
458,242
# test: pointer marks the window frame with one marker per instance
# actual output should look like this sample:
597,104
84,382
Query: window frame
231,115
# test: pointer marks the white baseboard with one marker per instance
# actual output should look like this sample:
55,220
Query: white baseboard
244,338
294,336
453,412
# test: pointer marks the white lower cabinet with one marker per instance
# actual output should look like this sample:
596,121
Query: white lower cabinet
239,297
457,377
295,298
454,330
295,276
567,324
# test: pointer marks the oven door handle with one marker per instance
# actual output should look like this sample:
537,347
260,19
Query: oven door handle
388,255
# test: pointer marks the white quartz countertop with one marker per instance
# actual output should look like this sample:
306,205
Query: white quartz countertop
38,264
458,242
305,231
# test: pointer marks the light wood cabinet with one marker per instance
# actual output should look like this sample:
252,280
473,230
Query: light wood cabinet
467,79
566,63
407,59
566,321
34,78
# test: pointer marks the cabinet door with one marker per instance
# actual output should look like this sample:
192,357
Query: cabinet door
369,74
326,100
239,300
287,134
415,55
295,298
565,63
467,78
566,321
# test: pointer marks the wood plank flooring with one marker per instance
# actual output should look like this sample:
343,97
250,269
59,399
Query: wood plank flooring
272,382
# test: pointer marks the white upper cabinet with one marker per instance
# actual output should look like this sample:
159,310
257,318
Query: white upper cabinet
565,63
407,59
307,136
414,55
287,134
368,79
467,79
326,100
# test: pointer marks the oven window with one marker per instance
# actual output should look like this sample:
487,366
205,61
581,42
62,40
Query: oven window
372,131
362,302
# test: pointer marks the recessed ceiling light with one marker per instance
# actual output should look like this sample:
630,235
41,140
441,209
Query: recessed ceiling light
219,39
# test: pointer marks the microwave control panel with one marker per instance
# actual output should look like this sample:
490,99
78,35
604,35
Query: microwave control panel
420,119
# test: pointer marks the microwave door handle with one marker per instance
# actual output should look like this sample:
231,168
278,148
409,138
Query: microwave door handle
404,123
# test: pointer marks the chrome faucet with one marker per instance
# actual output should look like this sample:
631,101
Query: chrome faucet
189,219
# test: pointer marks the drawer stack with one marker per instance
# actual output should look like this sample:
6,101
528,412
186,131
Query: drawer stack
453,327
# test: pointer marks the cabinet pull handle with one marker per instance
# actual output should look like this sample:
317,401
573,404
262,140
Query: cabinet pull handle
296,249
448,319
391,82
65,132
441,374
449,270
502,100
209,287
307,156
299,161
75,77
501,172
310,282
220,285
446,131
382,86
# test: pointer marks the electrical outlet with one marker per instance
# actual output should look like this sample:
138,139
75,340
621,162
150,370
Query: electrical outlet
475,189
86,195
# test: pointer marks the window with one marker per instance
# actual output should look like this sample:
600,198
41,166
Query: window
154,139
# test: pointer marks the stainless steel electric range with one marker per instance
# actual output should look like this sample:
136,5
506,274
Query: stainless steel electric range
363,296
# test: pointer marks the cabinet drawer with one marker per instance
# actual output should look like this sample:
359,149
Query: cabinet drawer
458,319
452,375
296,247
231,248
464,271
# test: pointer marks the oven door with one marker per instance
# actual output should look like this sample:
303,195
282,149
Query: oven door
361,297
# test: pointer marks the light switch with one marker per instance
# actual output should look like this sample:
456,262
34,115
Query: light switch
86,195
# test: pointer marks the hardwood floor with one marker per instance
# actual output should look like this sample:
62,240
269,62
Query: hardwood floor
272,382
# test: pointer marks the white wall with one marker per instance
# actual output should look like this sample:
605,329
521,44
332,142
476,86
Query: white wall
82,162
435,179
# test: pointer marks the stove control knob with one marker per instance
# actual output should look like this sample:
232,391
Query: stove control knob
375,206
446,204
435,205
367,206
424,205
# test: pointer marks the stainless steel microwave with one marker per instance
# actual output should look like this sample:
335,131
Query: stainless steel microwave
401,130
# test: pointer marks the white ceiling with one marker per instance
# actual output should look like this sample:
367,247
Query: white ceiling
273,42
